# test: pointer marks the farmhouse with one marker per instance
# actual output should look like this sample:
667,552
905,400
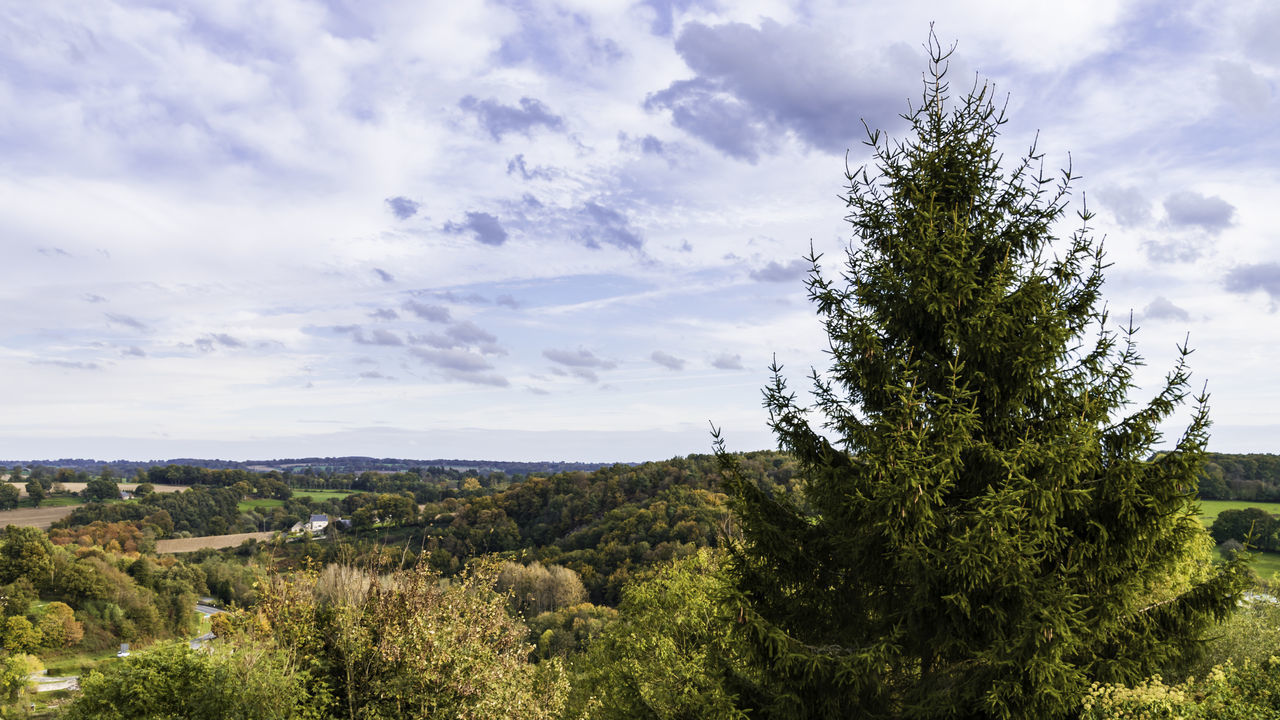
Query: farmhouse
315,525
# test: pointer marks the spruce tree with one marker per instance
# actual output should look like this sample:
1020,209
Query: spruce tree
984,528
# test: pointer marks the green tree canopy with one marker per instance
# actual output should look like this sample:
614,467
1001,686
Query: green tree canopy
35,491
26,553
171,680
101,488
9,496
982,521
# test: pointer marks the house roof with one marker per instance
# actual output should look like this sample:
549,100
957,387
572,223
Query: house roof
319,518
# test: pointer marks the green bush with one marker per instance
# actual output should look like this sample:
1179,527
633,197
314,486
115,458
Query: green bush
1249,691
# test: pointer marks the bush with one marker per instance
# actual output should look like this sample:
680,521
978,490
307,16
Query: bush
1249,691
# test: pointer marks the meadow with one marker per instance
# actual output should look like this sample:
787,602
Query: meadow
1209,509
1264,563
314,495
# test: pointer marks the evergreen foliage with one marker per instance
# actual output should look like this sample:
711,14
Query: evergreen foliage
987,531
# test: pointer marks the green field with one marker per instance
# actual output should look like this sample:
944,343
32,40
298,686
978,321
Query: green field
322,495
258,504
1209,509
315,495
1265,564
52,501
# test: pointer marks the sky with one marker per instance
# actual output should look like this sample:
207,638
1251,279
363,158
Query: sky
564,231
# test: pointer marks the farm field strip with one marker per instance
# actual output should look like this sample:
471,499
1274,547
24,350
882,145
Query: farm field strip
209,541
79,486
41,517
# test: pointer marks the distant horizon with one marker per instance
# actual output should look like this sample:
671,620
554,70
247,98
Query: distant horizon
458,459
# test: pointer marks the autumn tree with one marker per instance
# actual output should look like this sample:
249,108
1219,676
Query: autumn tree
410,645
981,519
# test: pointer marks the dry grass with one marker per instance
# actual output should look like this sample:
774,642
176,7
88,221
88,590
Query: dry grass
35,517
77,487
182,545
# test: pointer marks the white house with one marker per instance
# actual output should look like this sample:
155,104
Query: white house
315,525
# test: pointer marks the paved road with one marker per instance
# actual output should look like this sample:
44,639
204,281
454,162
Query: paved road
49,684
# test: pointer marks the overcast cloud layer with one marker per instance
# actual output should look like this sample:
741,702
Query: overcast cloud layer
526,230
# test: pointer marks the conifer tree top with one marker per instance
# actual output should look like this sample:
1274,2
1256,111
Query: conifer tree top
982,530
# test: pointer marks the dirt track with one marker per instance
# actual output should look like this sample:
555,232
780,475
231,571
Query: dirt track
208,541
35,517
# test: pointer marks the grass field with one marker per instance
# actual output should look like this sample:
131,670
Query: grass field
1265,564
258,504
322,495
1209,509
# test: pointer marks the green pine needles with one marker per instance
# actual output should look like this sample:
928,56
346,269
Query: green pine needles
984,530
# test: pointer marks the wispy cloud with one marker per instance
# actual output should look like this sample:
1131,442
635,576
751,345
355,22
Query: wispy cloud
125,320
666,360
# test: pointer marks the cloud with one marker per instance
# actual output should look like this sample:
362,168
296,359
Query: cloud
1245,279
1128,204
671,362
133,351
501,119
485,227
585,373
1162,308
578,358
375,375
1192,209
753,84
460,365
461,335
725,361
431,313
384,276
52,251
555,39
377,336
469,333
68,364
470,298
517,165
227,341
92,298
581,373
606,226
402,207
663,14
1242,87
507,301
209,342
773,272
1177,249
384,314
126,320
651,145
